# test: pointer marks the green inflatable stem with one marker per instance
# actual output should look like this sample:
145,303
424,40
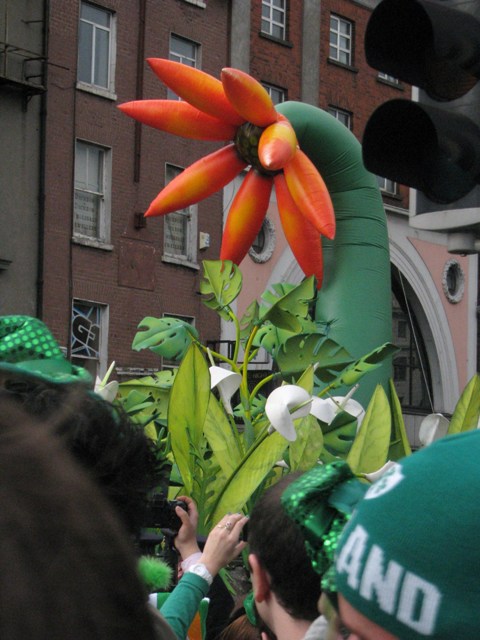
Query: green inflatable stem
355,300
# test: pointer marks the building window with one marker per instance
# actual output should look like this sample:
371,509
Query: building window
277,94
274,18
345,117
92,192
88,344
180,229
411,371
388,78
387,186
341,32
264,243
184,51
96,48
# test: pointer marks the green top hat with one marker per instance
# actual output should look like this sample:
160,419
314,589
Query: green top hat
28,349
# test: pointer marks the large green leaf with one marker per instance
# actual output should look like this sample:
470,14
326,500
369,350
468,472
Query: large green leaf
152,392
370,447
249,320
187,409
285,311
168,337
248,475
304,452
221,284
299,351
364,365
224,443
467,411
399,445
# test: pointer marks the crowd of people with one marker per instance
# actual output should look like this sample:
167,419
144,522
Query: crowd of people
329,556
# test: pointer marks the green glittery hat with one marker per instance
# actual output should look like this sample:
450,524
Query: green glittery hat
28,349
321,502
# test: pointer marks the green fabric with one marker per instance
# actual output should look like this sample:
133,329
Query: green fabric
28,348
355,298
409,558
183,602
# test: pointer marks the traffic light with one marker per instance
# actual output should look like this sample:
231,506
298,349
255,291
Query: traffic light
422,144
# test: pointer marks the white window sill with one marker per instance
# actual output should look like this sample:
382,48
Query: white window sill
197,3
183,262
98,91
92,242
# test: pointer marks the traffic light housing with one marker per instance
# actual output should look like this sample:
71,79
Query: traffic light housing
423,144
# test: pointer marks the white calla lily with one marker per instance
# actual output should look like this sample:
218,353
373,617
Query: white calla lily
325,409
227,383
376,475
107,390
284,405
433,427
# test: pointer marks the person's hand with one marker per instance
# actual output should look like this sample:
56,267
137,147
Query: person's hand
223,543
186,539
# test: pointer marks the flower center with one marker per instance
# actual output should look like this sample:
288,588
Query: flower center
246,143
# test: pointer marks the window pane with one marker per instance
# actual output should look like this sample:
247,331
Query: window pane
95,15
102,46
86,335
85,48
89,189
176,234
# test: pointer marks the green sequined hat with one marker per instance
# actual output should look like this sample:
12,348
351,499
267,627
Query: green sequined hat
321,502
28,349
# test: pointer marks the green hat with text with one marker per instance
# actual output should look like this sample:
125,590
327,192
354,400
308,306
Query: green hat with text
409,558
29,350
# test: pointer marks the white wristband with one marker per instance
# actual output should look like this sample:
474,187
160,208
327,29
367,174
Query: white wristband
191,559
201,570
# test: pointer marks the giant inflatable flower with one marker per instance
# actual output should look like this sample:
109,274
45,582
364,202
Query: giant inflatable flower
238,109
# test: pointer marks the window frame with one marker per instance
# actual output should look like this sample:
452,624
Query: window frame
191,227
384,188
337,48
109,90
103,324
178,57
102,238
337,111
271,22
272,88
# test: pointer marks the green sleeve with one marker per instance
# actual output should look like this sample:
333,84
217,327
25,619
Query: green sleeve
182,604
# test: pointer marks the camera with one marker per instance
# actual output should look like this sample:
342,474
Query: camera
160,514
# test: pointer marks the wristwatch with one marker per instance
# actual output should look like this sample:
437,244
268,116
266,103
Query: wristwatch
201,570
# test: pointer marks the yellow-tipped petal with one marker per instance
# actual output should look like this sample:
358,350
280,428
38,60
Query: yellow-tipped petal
198,181
200,89
179,118
248,97
277,145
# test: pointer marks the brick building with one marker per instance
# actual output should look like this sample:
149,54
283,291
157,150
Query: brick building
75,249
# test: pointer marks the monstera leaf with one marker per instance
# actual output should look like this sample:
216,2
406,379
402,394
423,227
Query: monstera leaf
367,363
167,337
305,451
285,308
249,320
299,351
338,437
370,447
151,390
467,410
187,409
221,284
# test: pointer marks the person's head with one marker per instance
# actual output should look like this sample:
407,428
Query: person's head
278,558
67,568
116,452
408,561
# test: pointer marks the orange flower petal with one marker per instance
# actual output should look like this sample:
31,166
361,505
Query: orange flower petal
200,89
179,118
304,240
248,97
310,193
198,181
246,215
277,145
